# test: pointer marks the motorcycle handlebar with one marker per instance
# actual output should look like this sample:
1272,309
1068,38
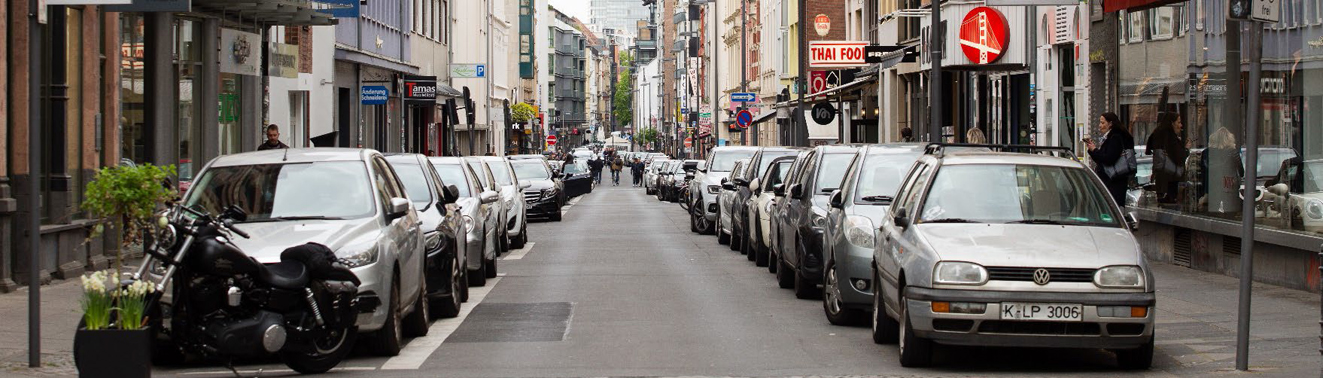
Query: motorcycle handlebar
230,225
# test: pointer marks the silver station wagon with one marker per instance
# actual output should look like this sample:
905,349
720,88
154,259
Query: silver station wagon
993,248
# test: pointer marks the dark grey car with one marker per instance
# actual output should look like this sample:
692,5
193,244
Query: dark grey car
444,234
802,218
740,224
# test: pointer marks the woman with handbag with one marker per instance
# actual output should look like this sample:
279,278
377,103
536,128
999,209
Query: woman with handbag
1113,158
1169,154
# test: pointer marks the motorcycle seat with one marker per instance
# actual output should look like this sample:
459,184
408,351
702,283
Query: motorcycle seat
290,275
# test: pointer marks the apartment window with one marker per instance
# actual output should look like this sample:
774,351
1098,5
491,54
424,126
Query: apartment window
418,16
1161,22
1200,10
445,21
1136,32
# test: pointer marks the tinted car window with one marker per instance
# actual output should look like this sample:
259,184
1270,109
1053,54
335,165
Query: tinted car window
831,172
453,174
724,161
576,168
270,191
532,170
1004,193
881,175
415,182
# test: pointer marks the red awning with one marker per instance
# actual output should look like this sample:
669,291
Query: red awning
1134,5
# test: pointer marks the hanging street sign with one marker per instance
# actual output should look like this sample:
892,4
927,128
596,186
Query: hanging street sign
837,54
743,97
983,35
468,70
338,8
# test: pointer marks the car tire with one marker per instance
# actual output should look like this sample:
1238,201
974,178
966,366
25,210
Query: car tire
832,305
449,306
489,267
418,321
693,222
478,277
915,351
785,278
803,288
885,329
734,237
503,242
746,248
522,239
464,284
1140,358
389,339
722,237
760,253
556,216
773,262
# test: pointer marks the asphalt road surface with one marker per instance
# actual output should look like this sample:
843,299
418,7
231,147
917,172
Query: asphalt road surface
622,288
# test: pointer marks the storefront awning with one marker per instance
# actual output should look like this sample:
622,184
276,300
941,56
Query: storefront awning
764,117
829,94
267,12
443,90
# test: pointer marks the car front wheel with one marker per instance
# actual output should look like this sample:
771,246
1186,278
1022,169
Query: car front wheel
1140,358
885,329
915,351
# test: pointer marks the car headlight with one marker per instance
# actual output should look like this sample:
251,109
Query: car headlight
432,240
468,223
859,231
714,189
1129,276
360,258
819,221
1314,209
959,273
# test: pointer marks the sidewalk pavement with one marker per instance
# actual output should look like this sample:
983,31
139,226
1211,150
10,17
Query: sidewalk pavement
1196,327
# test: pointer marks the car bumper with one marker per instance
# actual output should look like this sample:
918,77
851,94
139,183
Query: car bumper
514,226
988,328
543,207
375,282
854,267
710,208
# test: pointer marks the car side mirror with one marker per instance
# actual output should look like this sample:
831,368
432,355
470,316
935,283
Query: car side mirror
754,186
901,220
451,194
725,184
779,190
796,191
1131,222
1280,189
740,182
489,196
837,199
399,207
525,184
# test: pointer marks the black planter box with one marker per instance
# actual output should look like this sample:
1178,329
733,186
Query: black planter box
113,353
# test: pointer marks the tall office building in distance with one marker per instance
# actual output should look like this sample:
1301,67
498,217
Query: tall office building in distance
621,15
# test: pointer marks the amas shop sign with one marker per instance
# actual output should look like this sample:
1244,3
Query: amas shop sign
420,89
837,54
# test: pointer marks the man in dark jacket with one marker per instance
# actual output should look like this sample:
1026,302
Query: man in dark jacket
1167,139
595,166
272,139
636,170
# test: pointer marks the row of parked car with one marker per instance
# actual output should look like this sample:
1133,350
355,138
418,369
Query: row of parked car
987,245
418,231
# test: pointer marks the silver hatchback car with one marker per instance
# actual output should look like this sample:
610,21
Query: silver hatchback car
1009,249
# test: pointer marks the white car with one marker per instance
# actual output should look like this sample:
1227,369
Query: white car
650,175
760,211
477,204
373,225
512,195
500,212
1301,184
706,186
726,202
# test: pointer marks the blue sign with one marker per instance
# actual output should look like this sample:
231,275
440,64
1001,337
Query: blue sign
482,70
744,118
374,94
743,97
337,8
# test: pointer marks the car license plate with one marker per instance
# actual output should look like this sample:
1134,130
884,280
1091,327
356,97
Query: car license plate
1043,311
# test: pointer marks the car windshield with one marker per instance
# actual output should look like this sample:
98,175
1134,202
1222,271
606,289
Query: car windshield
880,177
1313,171
415,181
576,168
832,171
453,174
482,175
1270,160
724,161
502,172
296,190
532,170
768,157
1008,193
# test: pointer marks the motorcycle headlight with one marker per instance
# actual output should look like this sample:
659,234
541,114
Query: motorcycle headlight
361,257
166,237
714,189
1314,209
859,231
1127,276
432,240
959,273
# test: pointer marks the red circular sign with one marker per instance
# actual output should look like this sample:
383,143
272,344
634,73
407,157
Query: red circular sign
551,140
688,142
983,35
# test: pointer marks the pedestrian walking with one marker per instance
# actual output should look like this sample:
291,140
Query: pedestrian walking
616,165
636,170
1169,152
595,166
1113,156
272,139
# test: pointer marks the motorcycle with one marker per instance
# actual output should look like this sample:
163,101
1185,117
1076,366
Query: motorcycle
224,305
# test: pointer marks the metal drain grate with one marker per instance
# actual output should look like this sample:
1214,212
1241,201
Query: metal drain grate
1231,245
514,322
1181,251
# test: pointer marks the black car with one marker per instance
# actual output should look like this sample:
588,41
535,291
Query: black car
546,193
802,217
577,178
740,211
443,231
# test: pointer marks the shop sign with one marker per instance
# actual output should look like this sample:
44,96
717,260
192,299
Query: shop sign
823,113
835,54
284,60
822,24
374,95
420,89
337,8
468,70
239,52
152,6
983,35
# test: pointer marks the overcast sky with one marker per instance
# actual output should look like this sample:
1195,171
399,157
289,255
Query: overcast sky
573,8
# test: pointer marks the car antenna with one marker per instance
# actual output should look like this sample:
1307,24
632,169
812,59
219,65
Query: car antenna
286,157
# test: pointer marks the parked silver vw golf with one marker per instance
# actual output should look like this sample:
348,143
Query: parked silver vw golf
1009,249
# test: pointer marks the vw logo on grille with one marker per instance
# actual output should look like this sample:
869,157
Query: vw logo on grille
1042,277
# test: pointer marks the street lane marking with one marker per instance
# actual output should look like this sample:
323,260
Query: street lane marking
519,253
420,348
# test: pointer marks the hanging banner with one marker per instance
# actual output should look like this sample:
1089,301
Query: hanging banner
284,60
337,8
240,53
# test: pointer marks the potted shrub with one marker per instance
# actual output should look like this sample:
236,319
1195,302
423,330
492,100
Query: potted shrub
113,338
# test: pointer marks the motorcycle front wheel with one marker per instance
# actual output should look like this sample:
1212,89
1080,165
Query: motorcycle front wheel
329,351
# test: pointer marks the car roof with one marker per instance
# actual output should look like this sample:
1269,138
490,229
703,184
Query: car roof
445,160
992,157
838,148
526,157
292,155
734,148
891,147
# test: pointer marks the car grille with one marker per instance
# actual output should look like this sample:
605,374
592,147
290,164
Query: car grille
532,195
1027,274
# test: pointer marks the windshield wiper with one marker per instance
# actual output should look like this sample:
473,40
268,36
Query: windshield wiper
1038,221
877,198
949,220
